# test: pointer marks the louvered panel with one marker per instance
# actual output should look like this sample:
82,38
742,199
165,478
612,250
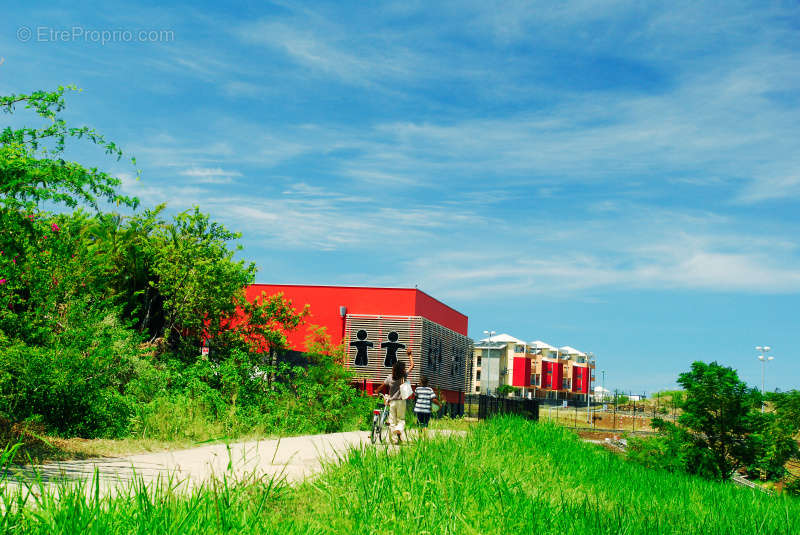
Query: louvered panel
444,356
439,352
379,331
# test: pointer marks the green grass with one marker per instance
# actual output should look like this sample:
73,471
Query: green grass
504,476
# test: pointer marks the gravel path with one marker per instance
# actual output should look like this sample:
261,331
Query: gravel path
292,458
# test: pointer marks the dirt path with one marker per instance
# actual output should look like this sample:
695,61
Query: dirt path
292,458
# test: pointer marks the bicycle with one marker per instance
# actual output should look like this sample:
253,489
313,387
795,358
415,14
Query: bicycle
380,426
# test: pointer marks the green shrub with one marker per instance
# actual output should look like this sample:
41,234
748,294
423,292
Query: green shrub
75,385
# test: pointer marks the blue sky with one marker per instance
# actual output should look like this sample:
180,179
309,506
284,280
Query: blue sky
618,177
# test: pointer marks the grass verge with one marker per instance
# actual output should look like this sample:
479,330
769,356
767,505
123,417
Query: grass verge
504,476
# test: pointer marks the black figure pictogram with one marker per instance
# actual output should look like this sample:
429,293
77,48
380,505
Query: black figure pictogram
434,354
431,363
361,345
391,349
458,354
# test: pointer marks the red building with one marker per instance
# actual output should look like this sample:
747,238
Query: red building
378,324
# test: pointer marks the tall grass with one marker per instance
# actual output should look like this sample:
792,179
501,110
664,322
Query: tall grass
505,476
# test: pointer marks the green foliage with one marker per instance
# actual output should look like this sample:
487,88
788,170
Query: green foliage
74,384
793,487
194,274
668,451
31,165
506,390
787,409
719,413
720,429
210,400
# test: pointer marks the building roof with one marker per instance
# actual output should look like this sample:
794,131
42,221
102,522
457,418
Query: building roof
505,338
571,351
493,345
538,344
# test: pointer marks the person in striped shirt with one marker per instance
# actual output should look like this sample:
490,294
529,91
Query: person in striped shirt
424,395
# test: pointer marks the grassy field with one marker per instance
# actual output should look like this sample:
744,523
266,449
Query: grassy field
503,476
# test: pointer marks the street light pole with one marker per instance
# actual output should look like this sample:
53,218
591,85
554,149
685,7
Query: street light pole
603,391
764,359
553,373
589,361
488,356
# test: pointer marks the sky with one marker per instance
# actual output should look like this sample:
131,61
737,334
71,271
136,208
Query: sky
620,177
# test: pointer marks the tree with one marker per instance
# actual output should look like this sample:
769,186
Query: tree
787,409
43,264
196,277
31,166
506,390
720,429
718,411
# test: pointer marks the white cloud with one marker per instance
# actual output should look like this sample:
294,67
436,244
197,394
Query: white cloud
329,49
565,192
210,175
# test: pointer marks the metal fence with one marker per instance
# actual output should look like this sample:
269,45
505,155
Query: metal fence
611,416
482,407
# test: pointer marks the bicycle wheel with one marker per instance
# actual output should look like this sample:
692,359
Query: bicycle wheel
374,435
383,430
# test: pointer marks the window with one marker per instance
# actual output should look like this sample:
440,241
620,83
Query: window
479,361
477,389
519,349
478,375
565,384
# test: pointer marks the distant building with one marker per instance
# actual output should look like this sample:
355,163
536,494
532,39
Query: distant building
538,369
601,393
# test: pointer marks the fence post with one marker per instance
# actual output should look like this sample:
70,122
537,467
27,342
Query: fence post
634,416
615,412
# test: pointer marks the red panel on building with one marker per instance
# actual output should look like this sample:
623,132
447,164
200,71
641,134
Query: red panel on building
547,374
580,379
558,375
552,375
522,372
327,302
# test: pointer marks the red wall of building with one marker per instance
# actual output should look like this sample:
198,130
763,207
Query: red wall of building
580,379
547,376
325,302
522,372
558,376
554,380
436,311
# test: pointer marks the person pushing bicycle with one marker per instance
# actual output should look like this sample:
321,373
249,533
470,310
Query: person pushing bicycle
397,404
